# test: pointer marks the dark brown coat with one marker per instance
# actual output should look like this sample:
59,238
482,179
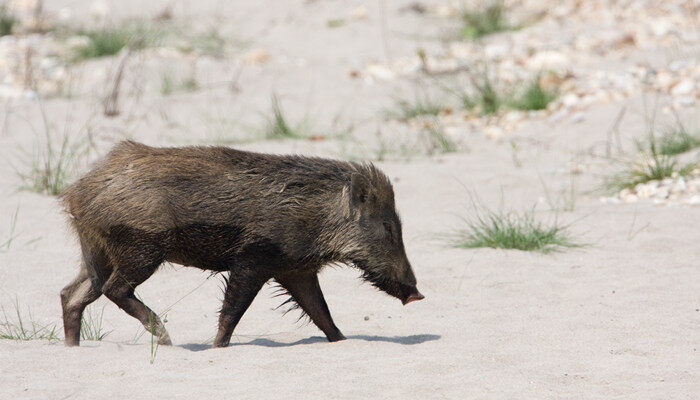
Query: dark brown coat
255,216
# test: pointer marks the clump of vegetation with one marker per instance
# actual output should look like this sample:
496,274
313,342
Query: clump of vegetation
211,43
169,84
676,140
484,97
25,328
384,149
5,246
277,126
420,105
430,139
91,325
335,22
108,41
103,42
7,21
656,162
651,167
51,168
438,141
485,20
534,97
512,230
51,165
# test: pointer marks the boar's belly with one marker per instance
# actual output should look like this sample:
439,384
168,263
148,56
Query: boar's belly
221,248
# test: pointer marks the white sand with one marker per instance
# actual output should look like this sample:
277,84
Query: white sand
615,319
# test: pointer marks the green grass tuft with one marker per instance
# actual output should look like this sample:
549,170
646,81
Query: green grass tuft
91,325
25,328
438,141
210,43
51,166
484,20
512,230
7,21
169,84
534,97
5,246
335,22
50,169
103,43
652,167
421,105
484,98
654,164
108,41
278,127
677,140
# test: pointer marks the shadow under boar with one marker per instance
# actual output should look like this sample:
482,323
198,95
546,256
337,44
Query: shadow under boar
256,216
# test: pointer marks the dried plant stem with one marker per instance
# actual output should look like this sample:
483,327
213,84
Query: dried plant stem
111,103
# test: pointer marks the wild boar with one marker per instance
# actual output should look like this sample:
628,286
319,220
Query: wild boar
255,216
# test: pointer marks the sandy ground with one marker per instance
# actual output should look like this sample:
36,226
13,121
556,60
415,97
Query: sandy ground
617,318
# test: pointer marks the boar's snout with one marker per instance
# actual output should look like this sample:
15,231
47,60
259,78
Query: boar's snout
407,285
413,295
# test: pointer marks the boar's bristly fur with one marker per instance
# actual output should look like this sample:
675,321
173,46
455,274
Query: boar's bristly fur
256,216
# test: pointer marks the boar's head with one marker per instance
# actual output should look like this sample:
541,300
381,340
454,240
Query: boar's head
374,241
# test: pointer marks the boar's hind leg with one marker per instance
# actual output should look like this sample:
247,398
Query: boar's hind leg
306,291
74,298
241,289
83,290
120,289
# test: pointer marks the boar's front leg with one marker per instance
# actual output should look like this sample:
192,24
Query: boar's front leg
306,291
241,289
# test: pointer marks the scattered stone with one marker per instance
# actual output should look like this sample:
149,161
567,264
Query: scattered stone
625,40
549,60
256,57
570,100
493,132
683,87
685,101
379,71
578,117
566,63
677,190
317,138
360,12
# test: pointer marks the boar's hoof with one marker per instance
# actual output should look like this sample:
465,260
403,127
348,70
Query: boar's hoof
336,338
165,340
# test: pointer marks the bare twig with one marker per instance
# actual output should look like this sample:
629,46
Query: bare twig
6,120
614,131
29,82
111,102
631,233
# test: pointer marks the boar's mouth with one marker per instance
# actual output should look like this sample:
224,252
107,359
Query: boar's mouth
405,293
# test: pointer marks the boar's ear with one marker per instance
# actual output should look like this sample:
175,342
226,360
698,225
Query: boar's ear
359,189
